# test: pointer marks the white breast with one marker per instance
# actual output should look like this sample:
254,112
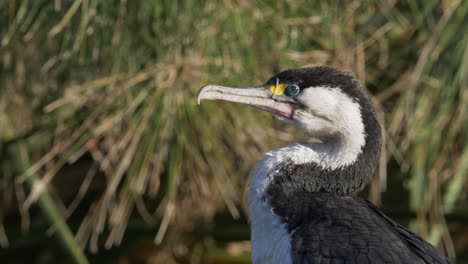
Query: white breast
270,239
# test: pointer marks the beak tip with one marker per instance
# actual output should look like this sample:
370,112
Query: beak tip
200,95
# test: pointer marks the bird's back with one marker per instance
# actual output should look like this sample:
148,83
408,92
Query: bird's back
328,228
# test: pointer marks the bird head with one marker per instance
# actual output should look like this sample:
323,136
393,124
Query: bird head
324,102
328,104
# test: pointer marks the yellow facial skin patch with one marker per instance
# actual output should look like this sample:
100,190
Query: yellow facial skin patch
277,89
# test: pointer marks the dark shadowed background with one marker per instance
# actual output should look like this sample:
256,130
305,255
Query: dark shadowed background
105,155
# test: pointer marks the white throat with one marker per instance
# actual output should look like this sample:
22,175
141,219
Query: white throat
334,118
270,238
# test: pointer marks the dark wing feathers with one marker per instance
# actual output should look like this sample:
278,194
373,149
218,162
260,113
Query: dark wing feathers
352,230
418,245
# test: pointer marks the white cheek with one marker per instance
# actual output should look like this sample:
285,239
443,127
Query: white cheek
323,101
334,106
317,127
330,112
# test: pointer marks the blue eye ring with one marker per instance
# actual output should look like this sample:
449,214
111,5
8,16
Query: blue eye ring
292,90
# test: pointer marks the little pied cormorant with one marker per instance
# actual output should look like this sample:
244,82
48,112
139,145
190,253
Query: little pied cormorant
302,198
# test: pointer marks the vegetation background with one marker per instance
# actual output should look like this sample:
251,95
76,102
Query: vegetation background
106,157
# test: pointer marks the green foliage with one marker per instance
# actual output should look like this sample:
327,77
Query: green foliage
114,82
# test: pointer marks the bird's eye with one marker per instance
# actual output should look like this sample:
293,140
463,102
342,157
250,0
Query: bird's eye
292,90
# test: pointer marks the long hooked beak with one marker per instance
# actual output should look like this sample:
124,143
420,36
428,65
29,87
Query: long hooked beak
260,97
